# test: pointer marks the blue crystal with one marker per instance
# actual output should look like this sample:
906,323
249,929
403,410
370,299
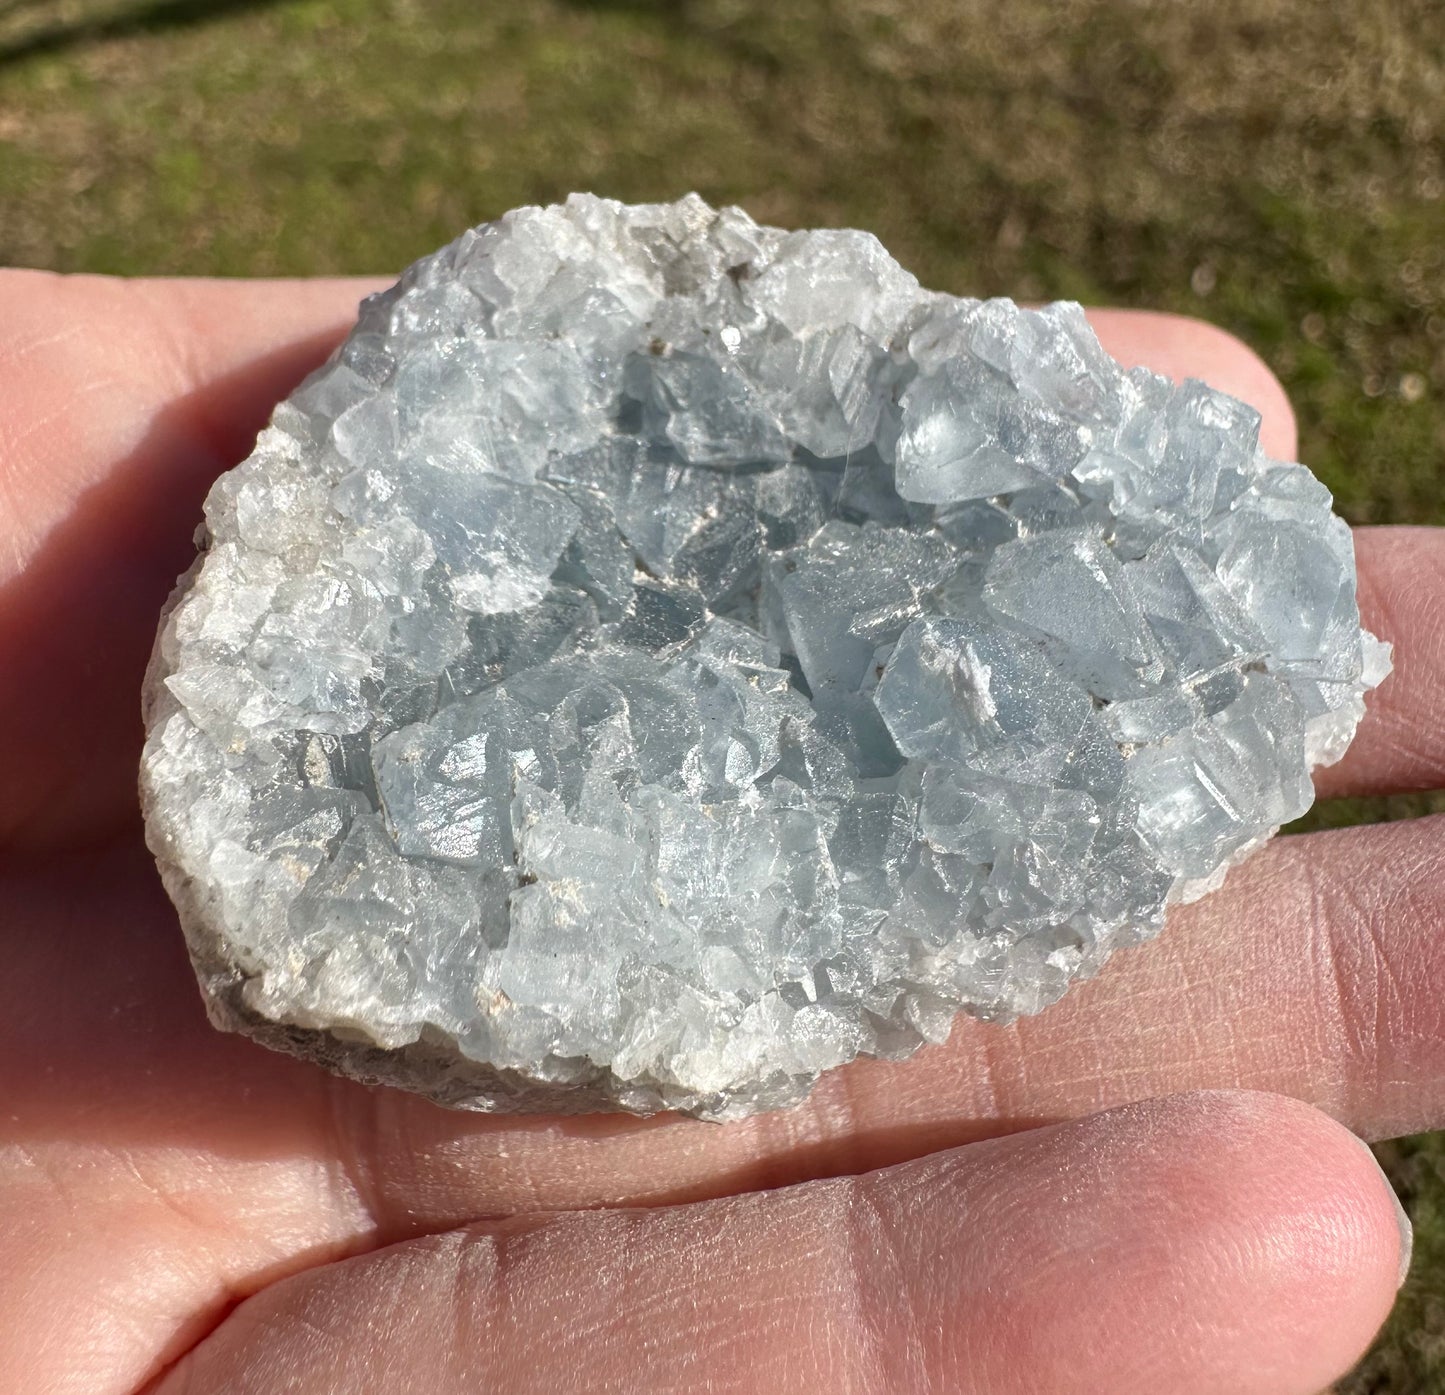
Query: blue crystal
660,658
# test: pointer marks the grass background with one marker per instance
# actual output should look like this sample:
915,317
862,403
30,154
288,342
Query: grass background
1277,166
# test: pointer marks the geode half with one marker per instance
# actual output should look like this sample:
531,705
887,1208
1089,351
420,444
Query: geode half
659,658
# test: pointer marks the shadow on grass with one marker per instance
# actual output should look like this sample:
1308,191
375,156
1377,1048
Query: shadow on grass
158,17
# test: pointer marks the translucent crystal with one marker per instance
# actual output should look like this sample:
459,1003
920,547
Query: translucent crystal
660,658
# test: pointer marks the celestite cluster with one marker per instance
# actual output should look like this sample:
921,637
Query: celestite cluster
659,658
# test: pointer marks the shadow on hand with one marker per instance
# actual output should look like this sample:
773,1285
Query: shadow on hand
77,624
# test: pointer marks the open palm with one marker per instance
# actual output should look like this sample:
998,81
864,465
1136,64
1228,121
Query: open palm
182,1211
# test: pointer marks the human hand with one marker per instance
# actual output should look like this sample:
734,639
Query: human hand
183,1212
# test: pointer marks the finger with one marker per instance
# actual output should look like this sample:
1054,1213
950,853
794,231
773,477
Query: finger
1196,1244
124,400
212,1165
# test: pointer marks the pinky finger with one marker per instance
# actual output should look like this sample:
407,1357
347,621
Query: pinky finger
1193,1244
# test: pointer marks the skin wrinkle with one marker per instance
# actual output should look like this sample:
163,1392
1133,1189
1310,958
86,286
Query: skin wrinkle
807,1281
113,1318
178,336
1392,1003
1194,988
35,426
128,1164
878,1271
1381,1002
17,432
1230,1047
207,1289
786,1285
844,1321
48,1169
1268,975
210,1293
834,1126
13,355
1339,990
93,378
843,1118
1384,997
349,1151
478,1284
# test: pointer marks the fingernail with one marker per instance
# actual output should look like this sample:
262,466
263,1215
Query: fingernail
1407,1231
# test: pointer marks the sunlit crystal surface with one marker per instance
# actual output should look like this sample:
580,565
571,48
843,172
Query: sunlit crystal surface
659,658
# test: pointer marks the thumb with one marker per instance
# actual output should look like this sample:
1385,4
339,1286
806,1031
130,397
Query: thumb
1192,1244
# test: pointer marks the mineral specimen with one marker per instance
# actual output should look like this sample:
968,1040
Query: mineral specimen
659,658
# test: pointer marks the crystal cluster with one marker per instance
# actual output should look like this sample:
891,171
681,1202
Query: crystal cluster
659,658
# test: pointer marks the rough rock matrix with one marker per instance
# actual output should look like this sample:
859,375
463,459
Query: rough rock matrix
659,658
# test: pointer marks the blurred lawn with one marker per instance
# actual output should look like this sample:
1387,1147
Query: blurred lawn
1275,166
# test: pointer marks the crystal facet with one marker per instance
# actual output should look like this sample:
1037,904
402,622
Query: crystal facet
659,658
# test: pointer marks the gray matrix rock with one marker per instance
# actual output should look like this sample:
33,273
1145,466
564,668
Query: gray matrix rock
659,658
